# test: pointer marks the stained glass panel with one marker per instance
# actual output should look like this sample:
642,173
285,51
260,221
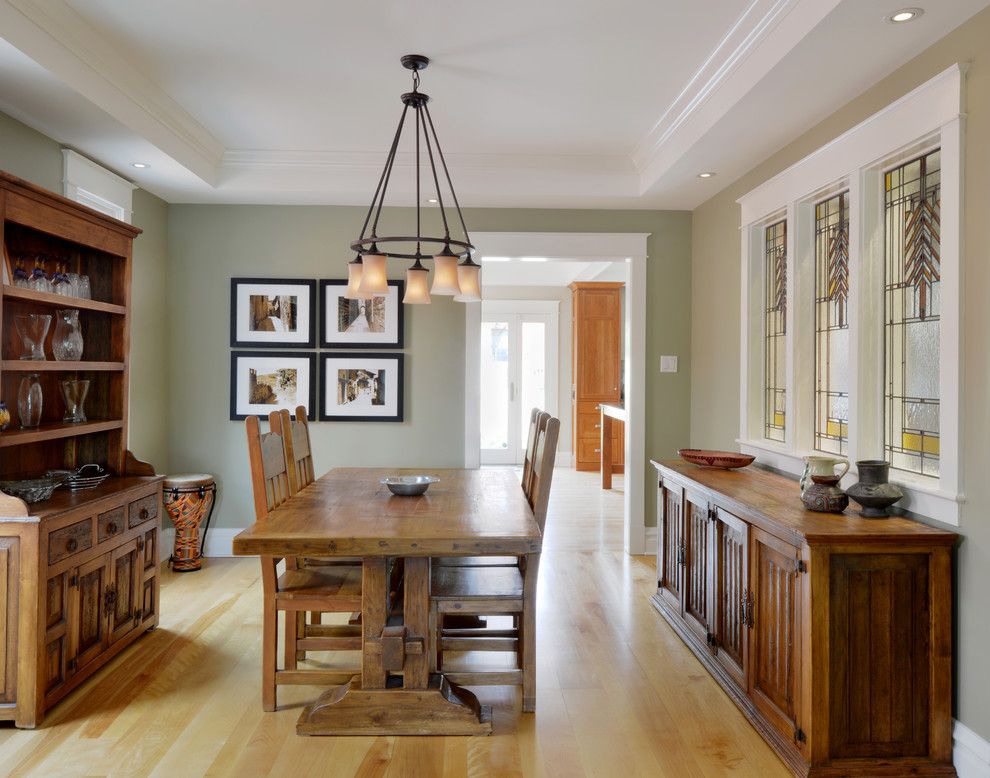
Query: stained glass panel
775,330
832,324
911,314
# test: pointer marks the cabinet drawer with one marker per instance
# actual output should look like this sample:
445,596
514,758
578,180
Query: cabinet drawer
589,425
142,510
110,524
588,450
70,540
587,406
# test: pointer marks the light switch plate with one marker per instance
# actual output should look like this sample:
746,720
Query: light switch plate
668,364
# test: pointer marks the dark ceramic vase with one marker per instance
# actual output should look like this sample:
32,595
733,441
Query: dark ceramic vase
873,492
825,495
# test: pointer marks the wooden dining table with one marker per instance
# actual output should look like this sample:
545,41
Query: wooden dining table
349,513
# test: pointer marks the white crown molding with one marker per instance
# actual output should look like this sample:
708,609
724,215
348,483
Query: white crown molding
60,40
763,35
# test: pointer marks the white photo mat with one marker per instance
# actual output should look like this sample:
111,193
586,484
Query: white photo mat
362,387
375,323
289,389
296,334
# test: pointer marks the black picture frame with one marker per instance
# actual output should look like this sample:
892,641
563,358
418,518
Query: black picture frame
328,310
273,357
239,315
329,383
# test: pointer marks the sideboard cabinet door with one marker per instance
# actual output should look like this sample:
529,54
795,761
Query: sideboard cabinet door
88,612
697,565
775,638
730,541
669,548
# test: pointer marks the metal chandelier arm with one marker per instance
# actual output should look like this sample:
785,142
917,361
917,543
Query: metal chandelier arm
436,182
419,204
381,179
446,172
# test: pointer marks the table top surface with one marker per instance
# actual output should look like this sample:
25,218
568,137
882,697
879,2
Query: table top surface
614,410
347,512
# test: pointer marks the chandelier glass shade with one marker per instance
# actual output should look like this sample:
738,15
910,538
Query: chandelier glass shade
454,272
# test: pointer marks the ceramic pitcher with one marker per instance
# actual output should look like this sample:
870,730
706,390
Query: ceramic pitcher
825,466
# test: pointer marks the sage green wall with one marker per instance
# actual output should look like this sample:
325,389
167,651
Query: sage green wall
715,340
210,244
37,158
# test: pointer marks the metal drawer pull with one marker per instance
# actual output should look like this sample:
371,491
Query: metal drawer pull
598,451
111,528
71,545
144,513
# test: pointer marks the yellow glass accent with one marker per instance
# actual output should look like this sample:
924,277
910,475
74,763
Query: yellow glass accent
836,429
778,419
913,441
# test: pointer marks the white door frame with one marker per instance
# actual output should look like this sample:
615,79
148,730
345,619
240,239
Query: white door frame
628,248
547,311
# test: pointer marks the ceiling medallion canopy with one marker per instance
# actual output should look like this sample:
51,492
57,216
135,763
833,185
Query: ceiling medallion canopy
454,272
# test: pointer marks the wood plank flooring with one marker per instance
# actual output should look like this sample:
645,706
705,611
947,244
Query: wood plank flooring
618,694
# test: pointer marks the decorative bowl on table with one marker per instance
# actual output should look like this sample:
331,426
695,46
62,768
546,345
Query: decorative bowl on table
31,490
86,477
727,460
409,485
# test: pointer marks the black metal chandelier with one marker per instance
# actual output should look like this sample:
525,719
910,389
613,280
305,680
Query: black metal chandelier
454,271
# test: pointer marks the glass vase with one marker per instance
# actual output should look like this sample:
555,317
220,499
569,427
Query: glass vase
33,328
29,401
67,340
74,393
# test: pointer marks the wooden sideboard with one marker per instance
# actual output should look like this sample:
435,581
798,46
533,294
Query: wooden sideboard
832,633
597,363
78,583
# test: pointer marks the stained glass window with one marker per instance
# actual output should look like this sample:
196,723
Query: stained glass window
775,330
832,324
911,315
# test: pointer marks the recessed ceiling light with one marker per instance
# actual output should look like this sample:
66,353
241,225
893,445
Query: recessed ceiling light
432,200
706,174
905,15
496,259
532,259
140,165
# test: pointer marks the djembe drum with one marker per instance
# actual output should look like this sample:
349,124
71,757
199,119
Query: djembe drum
188,498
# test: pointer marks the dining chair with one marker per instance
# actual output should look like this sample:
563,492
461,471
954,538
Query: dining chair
536,418
496,591
327,589
299,464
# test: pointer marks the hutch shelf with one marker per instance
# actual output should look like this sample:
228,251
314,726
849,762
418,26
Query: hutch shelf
79,571
832,633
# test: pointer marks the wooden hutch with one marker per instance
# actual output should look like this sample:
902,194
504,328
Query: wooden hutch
832,633
79,571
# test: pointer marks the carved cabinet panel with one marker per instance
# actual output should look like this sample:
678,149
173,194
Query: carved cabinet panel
696,563
669,548
124,592
730,581
87,614
775,642
56,605
9,589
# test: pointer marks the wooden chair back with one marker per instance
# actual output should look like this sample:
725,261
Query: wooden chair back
298,451
543,461
527,475
269,474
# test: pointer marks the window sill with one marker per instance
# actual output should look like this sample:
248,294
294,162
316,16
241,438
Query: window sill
921,499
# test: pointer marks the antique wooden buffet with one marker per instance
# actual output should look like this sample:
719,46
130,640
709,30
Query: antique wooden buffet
832,633
78,571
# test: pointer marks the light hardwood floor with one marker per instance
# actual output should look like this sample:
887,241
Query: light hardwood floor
618,694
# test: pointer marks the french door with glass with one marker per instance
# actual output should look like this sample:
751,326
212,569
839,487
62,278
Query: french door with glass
518,372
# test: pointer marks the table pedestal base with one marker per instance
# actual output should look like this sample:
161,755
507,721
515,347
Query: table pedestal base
442,709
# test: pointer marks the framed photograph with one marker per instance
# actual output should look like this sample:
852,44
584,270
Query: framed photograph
361,387
272,312
374,323
266,381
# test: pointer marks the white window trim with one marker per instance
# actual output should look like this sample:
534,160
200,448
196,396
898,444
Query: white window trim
930,116
92,185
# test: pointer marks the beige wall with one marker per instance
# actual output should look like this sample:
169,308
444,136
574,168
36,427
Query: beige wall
36,158
715,316
561,295
208,245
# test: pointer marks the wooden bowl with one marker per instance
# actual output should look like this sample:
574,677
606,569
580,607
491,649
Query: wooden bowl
726,460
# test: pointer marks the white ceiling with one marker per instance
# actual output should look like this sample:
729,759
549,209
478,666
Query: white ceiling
558,103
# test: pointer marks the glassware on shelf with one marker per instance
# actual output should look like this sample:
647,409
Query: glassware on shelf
29,401
67,340
73,284
60,282
21,276
39,279
84,288
74,393
33,327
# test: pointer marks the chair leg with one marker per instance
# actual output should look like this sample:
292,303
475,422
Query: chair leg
291,633
300,633
269,650
527,640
